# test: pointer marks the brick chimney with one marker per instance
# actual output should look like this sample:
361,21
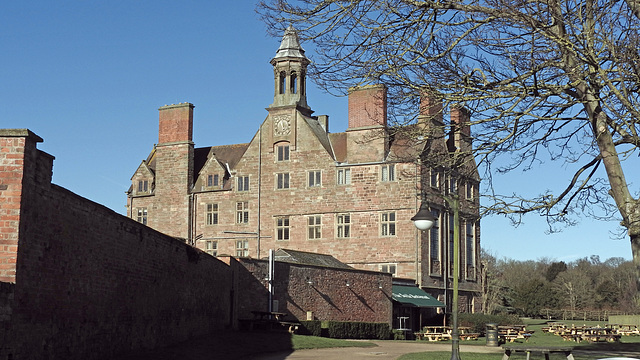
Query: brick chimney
367,139
460,135
430,117
368,106
176,123
174,171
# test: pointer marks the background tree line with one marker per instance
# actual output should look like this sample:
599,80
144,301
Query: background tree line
529,288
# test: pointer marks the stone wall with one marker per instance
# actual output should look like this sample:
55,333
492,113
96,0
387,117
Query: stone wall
90,283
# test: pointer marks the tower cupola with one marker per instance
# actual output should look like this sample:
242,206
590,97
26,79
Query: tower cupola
290,72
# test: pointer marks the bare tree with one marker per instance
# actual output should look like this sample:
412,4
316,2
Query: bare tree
545,80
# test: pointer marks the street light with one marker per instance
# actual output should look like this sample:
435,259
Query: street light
423,220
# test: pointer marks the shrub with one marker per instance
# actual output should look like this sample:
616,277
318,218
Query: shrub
310,327
398,334
358,330
478,322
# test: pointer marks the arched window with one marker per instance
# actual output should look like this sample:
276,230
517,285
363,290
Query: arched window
282,82
293,83
282,151
302,84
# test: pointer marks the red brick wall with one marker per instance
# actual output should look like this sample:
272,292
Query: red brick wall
176,123
91,283
367,298
12,166
367,106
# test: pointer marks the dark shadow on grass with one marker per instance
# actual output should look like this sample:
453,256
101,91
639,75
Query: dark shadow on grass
611,347
222,345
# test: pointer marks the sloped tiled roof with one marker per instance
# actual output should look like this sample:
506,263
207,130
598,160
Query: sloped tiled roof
404,147
339,144
308,258
290,45
225,154
321,134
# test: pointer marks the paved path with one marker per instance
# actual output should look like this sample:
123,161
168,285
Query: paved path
383,350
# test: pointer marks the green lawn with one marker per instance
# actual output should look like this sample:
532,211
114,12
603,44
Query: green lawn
312,342
582,351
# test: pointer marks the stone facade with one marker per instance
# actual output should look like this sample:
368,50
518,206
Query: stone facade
296,185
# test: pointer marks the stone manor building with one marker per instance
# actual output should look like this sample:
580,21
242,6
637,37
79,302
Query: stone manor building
295,185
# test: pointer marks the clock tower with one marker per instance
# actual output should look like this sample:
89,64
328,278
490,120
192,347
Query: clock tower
290,89
289,73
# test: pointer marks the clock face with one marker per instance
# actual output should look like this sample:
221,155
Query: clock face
282,125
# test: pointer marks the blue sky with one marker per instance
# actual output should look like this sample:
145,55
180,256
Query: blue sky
89,77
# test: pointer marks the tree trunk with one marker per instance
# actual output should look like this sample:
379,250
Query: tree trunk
635,250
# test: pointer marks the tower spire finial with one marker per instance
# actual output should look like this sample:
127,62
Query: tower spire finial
290,71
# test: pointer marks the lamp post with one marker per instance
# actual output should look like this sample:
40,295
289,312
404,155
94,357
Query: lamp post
423,220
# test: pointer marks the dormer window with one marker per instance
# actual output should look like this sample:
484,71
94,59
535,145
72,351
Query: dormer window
213,180
143,186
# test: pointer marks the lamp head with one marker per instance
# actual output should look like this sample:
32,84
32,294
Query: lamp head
423,220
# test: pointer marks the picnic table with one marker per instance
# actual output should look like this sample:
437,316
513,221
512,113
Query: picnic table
508,350
597,334
270,320
440,333
509,333
268,314
590,334
434,333
627,330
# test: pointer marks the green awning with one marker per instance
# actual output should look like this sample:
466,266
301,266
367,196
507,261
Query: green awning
414,296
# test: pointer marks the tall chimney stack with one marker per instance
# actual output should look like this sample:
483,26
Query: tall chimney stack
176,123
368,106
460,128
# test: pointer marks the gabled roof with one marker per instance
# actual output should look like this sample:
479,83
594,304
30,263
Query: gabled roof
224,154
404,147
339,145
308,258
321,134
144,168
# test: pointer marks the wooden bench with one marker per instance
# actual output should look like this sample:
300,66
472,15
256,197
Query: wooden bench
601,337
469,336
571,337
537,349
435,336
513,337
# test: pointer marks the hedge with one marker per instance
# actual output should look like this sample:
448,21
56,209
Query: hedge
310,327
358,330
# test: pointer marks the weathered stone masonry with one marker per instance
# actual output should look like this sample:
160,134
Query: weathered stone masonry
82,282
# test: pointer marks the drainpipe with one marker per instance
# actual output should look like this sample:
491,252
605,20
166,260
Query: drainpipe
259,189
